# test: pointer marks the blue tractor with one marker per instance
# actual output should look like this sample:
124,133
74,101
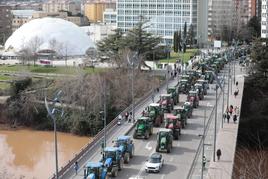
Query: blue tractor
95,170
126,146
112,160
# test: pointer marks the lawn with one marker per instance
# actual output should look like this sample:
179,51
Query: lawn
184,56
42,69
4,77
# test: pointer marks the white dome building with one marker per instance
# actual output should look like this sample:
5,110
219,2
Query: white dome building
53,34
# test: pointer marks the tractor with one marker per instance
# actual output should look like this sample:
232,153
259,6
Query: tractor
199,88
112,159
95,170
172,122
204,84
193,98
209,76
174,94
144,128
155,113
189,108
126,146
166,102
181,113
164,140
184,86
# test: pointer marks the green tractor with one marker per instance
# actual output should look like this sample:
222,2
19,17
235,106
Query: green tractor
156,114
181,112
184,86
209,76
174,94
144,128
189,109
164,140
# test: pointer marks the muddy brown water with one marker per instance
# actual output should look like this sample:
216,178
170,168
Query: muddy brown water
30,154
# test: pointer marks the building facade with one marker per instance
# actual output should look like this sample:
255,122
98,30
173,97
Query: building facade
94,11
55,6
221,18
5,23
165,17
264,19
109,16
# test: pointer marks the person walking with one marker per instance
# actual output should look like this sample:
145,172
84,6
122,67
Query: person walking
236,83
227,117
130,117
76,167
235,118
218,154
231,109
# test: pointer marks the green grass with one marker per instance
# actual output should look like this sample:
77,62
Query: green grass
42,69
184,56
4,78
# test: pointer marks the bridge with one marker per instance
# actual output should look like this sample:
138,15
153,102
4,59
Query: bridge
185,159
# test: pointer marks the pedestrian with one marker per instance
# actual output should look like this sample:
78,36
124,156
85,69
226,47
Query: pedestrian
130,117
175,73
231,109
235,118
157,89
204,161
228,117
236,83
218,154
76,167
143,113
236,92
126,116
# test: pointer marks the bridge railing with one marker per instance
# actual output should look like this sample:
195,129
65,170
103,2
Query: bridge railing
97,139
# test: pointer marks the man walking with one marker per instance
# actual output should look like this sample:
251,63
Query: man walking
76,167
219,154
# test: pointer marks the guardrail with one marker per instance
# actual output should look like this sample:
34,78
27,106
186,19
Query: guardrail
96,140
200,143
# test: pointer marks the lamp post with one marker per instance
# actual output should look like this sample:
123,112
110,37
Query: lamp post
103,113
52,113
215,126
223,99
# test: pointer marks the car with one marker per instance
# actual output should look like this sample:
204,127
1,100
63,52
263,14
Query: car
154,163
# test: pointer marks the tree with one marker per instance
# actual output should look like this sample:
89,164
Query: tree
175,41
255,26
141,41
179,41
34,46
185,32
191,35
112,47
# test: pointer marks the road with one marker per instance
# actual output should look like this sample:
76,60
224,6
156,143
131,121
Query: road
177,163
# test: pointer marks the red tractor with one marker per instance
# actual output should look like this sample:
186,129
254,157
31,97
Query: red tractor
166,102
193,98
172,122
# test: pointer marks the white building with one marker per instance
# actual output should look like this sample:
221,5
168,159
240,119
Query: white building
97,32
109,16
165,16
264,19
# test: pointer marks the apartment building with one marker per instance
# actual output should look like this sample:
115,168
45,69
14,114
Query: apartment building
264,19
164,17
94,10
5,23
109,16
55,6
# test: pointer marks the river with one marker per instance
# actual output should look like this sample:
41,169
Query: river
30,154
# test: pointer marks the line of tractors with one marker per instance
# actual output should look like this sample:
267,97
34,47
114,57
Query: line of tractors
168,113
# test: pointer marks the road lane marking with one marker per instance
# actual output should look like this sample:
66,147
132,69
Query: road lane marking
163,176
148,147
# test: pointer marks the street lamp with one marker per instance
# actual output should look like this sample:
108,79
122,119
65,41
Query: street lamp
215,126
52,113
103,113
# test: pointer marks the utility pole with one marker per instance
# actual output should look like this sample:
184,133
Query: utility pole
223,88
228,91
104,111
153,75
132,91
203,142
215,126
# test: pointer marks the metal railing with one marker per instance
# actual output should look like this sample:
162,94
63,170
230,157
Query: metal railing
97,139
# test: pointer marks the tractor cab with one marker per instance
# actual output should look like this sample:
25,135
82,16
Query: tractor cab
95,170
204,84
174,93
172,122
199,88
193,98
123,141
189,108
112,159
184,86
164,140
144,128
112,153
127,147
209,76
166,102
181,113
155,112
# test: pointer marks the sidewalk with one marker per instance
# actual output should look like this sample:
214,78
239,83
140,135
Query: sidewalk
227,136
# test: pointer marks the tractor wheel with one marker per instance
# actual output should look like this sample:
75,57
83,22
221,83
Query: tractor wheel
114,172
126,158
120,165
183,125
151,131
157,149
135,135
168,149
146,135
132,152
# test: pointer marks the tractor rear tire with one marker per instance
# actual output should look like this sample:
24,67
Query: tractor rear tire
168,149
135,135
126,158
146,136
132,152
114,172
157,149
